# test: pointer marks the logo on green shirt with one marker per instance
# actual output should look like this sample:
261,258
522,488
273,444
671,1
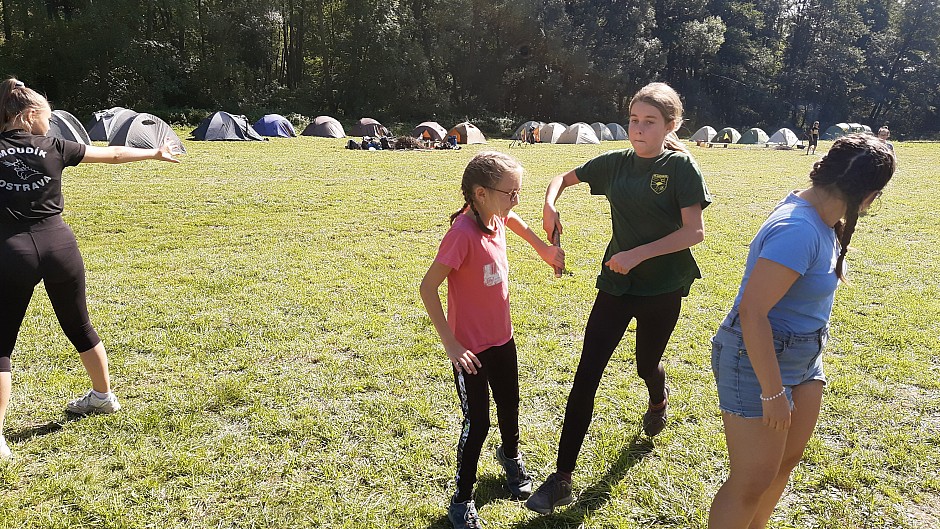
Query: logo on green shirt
658,183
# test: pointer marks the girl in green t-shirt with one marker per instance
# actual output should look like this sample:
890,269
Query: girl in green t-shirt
656,194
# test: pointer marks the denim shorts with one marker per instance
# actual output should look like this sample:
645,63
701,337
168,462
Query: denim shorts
799,357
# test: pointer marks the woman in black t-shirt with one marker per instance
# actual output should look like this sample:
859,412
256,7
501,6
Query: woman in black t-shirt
37,245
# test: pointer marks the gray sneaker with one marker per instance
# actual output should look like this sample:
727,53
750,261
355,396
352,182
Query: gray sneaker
555,492
5,453
464,515
90,403
518,480
654,420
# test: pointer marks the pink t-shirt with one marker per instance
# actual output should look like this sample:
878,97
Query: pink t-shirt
478,285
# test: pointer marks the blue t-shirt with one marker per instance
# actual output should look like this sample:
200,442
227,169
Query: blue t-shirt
795,236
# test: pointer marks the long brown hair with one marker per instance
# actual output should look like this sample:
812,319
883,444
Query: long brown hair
485,169
855,167
15,98
666,100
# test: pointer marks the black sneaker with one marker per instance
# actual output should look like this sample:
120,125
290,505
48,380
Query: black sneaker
654,420
518,480
464,515
555,492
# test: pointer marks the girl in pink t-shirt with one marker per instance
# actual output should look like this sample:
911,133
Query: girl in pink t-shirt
477,332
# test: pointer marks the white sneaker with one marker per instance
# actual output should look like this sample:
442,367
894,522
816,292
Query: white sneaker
5,453
93,404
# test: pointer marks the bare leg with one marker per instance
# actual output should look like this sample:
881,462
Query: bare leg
807,399
95,361
756,453
6,388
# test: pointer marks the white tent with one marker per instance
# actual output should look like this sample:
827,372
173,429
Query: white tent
603,133
785,137
518,135
618,132
550,132
705,133
578,133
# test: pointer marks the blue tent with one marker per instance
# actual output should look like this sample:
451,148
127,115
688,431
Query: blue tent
275,125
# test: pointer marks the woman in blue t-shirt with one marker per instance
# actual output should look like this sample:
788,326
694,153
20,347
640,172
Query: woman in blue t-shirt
767,354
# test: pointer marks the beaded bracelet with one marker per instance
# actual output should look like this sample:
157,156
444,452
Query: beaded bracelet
782,392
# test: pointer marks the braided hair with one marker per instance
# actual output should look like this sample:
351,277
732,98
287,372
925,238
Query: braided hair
485,169
856,166
15,98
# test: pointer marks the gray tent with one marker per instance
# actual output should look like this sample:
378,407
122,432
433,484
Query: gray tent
65,126
579,132
754,136
549,132
146,131
429,130
324,127
223,126
105,122
617,131
524,129
705,133
784,137
727,135
603,133
368,127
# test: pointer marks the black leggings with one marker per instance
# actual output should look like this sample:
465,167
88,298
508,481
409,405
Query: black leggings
656,317
46,251
501,372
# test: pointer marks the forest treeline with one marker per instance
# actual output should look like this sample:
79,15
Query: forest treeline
739,63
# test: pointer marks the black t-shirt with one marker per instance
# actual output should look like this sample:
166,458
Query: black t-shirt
31,174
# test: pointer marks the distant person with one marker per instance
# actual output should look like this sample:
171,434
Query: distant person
883,135
767,353
477,333
656,195
813,135
37,245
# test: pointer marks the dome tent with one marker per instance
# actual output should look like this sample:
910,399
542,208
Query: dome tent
429,130
578,133
785,137
524,128
602,132
65,126
617,131
146,131
727,135
324,127
705,133
753,136
368,127
275,126
837,131
223,126
105,122
550,132
467,133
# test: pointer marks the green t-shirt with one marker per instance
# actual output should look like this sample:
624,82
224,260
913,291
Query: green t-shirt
646,198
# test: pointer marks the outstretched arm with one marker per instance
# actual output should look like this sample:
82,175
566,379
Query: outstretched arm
95,154
552,255
691,233
550,221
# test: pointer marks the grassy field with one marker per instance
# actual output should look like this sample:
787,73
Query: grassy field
278,370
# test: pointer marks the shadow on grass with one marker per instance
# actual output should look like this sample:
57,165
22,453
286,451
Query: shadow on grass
595,496
38,430
488,488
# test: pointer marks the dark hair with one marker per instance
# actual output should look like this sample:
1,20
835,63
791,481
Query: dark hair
666,100
855,167
485,169
15,97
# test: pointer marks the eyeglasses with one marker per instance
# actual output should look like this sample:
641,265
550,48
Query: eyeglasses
513,195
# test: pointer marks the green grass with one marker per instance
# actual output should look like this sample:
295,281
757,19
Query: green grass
260,305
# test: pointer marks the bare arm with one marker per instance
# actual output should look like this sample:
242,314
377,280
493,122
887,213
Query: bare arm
552,255
550,220
460,356
116,154
768,283
691,233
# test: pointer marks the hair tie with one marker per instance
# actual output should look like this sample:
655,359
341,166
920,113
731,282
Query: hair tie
19,84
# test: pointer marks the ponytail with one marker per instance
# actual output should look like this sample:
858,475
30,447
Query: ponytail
15,98
673,143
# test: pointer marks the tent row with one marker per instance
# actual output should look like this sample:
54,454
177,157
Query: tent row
117,126
841,129
580,132
754,136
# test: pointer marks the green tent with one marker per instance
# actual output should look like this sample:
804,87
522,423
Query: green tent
754,136
837,131
727,135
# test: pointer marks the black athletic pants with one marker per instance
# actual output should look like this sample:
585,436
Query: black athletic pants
45,250
656,317
499,372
